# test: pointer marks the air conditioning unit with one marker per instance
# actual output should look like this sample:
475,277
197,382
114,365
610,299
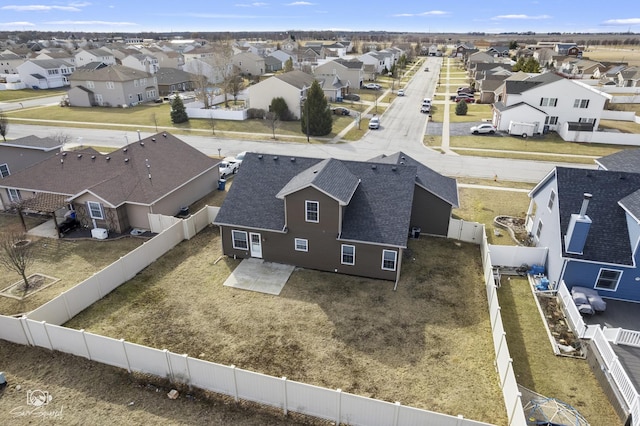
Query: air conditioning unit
99,233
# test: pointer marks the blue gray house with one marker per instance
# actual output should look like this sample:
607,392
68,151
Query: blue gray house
590,222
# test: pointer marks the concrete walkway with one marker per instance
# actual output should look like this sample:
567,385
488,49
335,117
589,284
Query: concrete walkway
257,275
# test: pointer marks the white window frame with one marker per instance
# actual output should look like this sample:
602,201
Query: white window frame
4,170
91,205
111,85
14,195
550,119
301,244
549,102
135,83
307,204
586,120
395,260
234,239
342,254
91,85
99,99
552,200
617,281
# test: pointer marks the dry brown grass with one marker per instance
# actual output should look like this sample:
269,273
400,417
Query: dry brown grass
535,365
631,55
71,261
426,345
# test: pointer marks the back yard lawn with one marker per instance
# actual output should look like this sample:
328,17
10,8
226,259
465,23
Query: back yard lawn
426,345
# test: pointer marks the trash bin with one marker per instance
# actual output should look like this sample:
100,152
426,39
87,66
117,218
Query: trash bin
415,232
221,184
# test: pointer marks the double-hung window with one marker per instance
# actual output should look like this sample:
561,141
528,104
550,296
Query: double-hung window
548,102
348,255
240,240
4,170
552,200
95,210
389,259
312,211
14,195
581,103
301,244
608,279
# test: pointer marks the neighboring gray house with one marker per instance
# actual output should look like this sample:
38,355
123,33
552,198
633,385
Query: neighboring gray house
291,86
249,63
272,64
9,62
351,73
114,85
142,62
173,80
84,57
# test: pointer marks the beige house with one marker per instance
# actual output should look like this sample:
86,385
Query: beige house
84,57
351,73
291,86
116,191
114,85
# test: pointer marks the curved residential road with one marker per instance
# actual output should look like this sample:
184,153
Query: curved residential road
402,129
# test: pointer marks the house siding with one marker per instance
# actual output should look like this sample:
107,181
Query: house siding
550,230
186,195
585,274
430,213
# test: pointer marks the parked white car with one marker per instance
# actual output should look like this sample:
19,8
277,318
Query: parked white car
228,166
401,92
374,123
483,129
372,86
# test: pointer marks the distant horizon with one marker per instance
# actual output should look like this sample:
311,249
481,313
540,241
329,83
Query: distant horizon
411,16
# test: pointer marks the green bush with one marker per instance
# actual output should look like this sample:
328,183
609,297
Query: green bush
462,108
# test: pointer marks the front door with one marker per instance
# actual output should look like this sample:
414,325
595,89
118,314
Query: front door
256,245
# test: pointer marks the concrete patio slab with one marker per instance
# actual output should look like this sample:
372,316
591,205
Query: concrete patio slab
258,275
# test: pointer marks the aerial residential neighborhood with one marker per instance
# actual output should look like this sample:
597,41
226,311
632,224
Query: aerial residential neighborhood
319,227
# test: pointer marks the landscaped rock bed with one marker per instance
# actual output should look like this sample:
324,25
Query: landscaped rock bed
566,341
516,228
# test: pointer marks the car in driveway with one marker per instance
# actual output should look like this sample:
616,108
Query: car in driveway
374,123
468,90
463,97
401,92
372,86
340,111
228,166
483,129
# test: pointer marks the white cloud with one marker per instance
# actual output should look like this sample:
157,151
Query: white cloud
521,17
254,4
428,13
299,3
80,4
17,24
40,8
626,21
117,24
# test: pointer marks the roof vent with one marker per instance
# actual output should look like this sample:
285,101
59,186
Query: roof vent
275,158
93,157
164,135
64,154
373,166
153,139
293,159
126,160
62,160
141,143
125,150
394,168
79,155
260,156
108,158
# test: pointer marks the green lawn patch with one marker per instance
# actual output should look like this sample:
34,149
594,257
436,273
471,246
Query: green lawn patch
26,94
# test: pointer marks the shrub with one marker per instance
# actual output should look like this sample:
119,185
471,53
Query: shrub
255,113
462,108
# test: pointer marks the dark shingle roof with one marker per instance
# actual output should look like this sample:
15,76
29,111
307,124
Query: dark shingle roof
608,238
627,160
120,176
379,210
34,142
296,78
441,186
109,73
167,76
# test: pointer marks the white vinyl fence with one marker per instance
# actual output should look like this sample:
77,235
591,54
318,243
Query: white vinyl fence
41,328
280,393
504,362
514,256
470,232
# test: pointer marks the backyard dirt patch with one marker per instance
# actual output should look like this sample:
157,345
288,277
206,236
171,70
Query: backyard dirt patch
558,325
427,345
516,229
36,282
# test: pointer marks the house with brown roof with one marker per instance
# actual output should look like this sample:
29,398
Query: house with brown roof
117,191
113,85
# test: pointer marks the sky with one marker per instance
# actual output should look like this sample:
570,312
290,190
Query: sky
428,16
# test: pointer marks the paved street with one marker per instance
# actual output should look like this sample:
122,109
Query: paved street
402,129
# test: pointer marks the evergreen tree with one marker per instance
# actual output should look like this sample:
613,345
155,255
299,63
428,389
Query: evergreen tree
531,65
281,109
519,66
462,108
316,115
178,111
288,65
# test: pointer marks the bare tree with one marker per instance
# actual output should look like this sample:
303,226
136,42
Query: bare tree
61,137
212,124
154,118
274,122
16,254
236,84
4,126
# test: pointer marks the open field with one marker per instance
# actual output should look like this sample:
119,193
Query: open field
537,368
70,261
420,345
610,54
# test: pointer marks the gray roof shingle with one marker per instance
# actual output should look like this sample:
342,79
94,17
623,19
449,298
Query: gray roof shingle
627,160
34,142
608,239
379,210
